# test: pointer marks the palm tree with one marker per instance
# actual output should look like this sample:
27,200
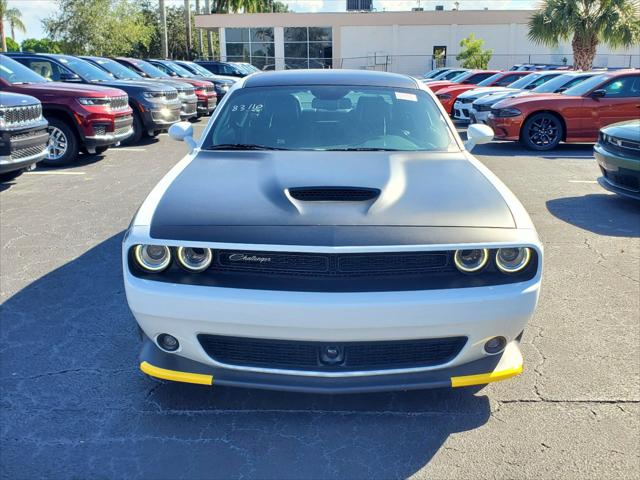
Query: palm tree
14,18
589,23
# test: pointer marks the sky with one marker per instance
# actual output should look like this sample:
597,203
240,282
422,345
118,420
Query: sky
34,11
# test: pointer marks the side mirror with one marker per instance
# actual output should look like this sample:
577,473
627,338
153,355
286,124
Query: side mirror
478,134
69,77
601,92
183,132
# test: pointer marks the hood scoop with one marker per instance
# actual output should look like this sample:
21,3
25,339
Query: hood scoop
333,194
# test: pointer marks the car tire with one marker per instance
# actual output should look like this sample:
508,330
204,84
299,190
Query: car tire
63,146
542,131
138,130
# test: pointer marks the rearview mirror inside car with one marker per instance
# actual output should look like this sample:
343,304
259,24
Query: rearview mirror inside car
183,132
478,134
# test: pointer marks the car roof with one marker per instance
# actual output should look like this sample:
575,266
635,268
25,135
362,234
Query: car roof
330,77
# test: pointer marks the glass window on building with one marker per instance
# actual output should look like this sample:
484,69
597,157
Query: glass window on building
308,47
251,45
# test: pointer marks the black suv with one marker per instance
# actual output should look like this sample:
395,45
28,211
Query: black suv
223,68
155,106
23,134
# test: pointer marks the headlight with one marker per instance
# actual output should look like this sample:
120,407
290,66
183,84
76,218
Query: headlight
153,258
512,260
444,96
506,112
194,259
157,96
94,101
470,261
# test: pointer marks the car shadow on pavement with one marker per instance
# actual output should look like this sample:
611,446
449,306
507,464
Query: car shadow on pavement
75,403
564,151
602,213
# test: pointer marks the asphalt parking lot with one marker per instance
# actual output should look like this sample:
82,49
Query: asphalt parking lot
75,405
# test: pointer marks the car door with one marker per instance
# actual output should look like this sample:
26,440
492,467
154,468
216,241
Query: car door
621,101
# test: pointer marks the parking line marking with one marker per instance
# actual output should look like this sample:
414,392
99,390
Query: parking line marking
582,181
129,149
54,173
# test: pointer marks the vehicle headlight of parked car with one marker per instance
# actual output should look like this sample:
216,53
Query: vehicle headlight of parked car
91,101
155,96
505,112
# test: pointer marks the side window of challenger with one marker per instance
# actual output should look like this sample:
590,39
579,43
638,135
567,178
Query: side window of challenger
623,87
332,118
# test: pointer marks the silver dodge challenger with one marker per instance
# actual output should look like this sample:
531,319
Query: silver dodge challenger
330,232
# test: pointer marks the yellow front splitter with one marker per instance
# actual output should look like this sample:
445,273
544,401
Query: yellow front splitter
175,375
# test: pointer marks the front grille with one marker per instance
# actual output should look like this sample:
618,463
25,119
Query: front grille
171,95
100,130
187,92
25,152
352,356
189,108
21,115
119,103
333,194
122,125
210,88
623,178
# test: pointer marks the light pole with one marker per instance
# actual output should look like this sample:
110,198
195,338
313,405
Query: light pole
187,21
163,31
207,7
200,46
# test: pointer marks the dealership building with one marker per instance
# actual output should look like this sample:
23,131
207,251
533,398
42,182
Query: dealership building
406,42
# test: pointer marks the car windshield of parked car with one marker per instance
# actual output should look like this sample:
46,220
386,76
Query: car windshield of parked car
117,69
561,81
181,71
203,72
15,73
525,80
150,70
586,86
488,81
329,117
86,70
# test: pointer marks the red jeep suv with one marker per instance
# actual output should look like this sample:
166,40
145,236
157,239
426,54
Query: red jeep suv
81,117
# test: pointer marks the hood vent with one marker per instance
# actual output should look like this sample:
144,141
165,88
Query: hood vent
334,194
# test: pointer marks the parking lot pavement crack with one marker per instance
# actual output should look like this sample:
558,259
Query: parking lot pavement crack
538,368
587,401
68,371
602,259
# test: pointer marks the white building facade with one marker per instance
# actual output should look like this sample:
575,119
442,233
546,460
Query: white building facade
403,42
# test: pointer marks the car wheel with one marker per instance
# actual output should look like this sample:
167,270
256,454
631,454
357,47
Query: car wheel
542,131
138,130
63,145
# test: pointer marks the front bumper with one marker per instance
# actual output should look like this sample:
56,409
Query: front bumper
206,105
461,111
156,363
161,118
505,128
22,147
189,109
110,134
621,173
476,116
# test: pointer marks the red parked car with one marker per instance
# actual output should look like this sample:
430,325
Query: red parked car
205,90
470,77
448,95
542,121
81,117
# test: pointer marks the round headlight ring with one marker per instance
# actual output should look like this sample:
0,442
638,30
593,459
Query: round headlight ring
513,259
152,258
194,259
471,260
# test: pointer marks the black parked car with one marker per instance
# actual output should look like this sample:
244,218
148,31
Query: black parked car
23,134
155,106
179,70
223,68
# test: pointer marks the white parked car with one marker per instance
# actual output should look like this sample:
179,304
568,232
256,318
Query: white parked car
330,232
463,103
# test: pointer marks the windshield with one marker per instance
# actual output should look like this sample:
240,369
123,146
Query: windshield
117,69
524,81
149,69
330,117
488,81
183,72
86,70
16,73
561,81
586,86
200,70
434,73
461,76
454,75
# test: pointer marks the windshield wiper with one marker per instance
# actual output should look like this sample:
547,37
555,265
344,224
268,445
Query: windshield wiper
363,149
241,146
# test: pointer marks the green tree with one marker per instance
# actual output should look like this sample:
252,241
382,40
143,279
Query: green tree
12,45
588,23
43,45
14,18
99,27
472,55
